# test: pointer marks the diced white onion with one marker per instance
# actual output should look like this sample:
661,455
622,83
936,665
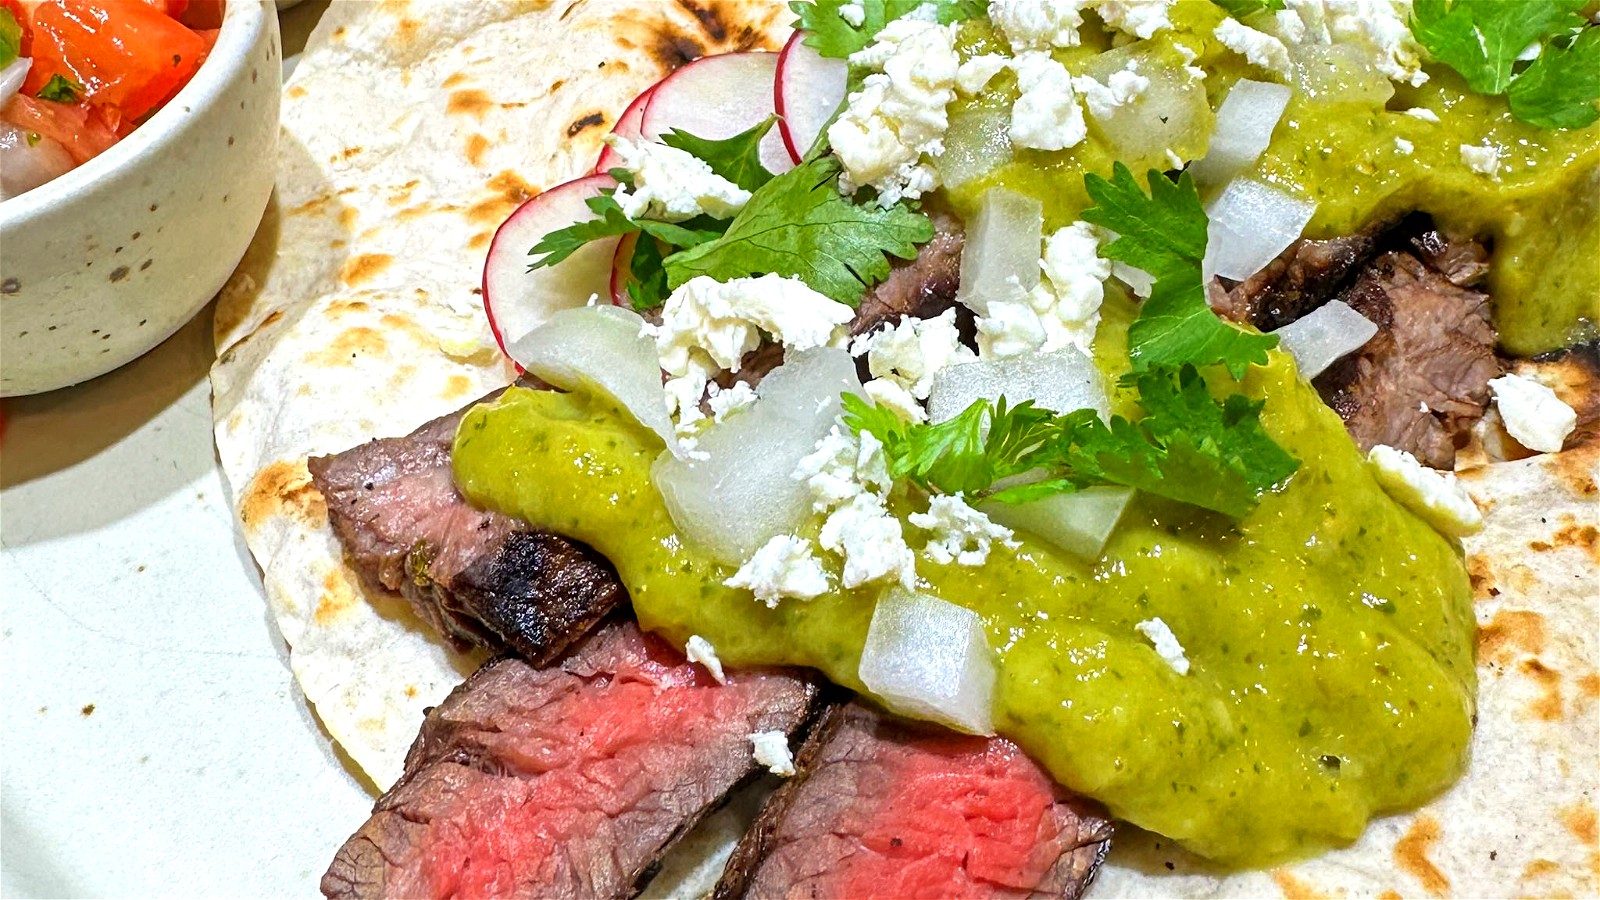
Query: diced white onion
738,491
1060,381
1171,113
977,142
1000,260
927,658
12,76
1251,223
1325,335
1078,523
1244,128
601,348
1338,73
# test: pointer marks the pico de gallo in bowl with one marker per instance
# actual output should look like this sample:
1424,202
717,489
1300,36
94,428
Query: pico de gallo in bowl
76,76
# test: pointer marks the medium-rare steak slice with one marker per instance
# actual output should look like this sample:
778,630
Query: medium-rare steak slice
887,808
1423,381
479,578
1302,278
565,781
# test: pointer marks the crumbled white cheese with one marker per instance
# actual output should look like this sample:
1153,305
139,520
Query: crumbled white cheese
853,14
1405,147
1483,159
772,750
1423,113
724,401
1121,89
700,652
1431,494
1533,414
783,567
1038,24
1062,310
870,541
912,351
961,534
1166,644
1258,47
1046,115
896,399
842,466
1289,26
976,73
1140,18
671,185
707,326
1377,29
898,116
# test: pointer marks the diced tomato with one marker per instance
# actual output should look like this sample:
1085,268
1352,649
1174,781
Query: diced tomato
17,12
173,8
202,14
125,53
86,131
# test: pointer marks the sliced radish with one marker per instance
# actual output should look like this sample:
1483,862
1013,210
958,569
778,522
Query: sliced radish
717,97
810,88
627,126
518,301
622,270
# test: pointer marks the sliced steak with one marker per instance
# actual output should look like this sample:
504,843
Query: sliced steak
887,808
1422,382
565,781
923,286
1302,278
479,578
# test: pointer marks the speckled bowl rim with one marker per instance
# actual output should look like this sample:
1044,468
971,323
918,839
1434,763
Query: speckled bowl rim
241,27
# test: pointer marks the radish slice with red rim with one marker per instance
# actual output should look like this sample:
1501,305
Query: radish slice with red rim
627,126
717,97
622,270
518,301
810,87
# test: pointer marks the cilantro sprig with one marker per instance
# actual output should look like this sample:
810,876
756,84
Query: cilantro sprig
1482,40
1164,233
831,35
1240,9
1188,447
798,225
60,89
10,38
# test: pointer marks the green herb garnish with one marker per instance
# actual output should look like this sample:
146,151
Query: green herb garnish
1164,233
611,221
831,35
10,38
737,159
60,89
1240,9
798,225
1188,447
1482,39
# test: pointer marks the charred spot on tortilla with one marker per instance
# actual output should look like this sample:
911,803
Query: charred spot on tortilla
710,21
364,267
472,102
592,120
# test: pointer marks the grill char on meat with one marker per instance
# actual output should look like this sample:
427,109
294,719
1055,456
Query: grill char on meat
479,578
565,781
1422,382
887,808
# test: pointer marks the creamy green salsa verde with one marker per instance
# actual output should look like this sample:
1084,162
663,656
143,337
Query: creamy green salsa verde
1348,145
1329,632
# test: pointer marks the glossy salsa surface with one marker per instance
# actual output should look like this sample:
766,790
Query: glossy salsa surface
1329,632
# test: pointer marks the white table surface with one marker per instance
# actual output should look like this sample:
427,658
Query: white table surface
152,740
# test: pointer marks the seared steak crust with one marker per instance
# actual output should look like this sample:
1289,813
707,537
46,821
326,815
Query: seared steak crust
479,578
1422,382
923,286
565,781
1302,278
884,807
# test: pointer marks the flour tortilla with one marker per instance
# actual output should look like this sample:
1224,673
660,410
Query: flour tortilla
411,130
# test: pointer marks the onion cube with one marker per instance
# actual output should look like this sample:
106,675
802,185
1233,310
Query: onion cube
1060,381
1245,122
1079,523
1000,260
1251,223
1324,336
930,659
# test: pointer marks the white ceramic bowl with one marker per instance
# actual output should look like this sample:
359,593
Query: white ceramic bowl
107,261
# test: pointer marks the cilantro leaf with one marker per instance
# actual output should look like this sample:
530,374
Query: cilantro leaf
1559,89
60,89
611,221
646,280
737,159
1481,39
1188,447
798,225
831,35
1239,9
10,38
1164,234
